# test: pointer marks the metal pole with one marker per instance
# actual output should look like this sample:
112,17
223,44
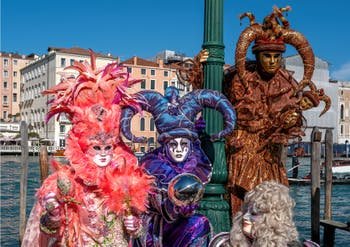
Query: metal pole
213,204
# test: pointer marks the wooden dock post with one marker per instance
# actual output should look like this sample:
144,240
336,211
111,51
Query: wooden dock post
44,163
315,184
24,177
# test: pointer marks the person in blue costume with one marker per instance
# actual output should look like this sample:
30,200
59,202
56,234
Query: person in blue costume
180,152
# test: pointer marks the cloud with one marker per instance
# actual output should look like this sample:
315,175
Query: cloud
343,73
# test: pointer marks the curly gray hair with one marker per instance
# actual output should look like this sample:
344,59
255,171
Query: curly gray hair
276,226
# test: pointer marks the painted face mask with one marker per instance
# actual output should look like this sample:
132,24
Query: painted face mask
270,61
249,218
101,155
178,149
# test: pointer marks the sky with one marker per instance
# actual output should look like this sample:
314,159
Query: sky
144,28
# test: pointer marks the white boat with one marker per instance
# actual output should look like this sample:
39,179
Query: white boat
341,166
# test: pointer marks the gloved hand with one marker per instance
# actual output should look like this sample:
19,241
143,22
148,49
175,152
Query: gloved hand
51,220
188,210
132,223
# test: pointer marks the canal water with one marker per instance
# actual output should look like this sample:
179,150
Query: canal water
10,188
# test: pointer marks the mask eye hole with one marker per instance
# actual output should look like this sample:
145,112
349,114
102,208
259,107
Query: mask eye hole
97,148
107,148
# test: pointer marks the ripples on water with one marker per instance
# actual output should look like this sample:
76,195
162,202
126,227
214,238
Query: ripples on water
10,201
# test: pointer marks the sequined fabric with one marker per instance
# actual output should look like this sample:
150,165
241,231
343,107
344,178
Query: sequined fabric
253,150
166,227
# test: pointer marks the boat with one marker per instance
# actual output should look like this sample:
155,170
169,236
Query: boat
341,166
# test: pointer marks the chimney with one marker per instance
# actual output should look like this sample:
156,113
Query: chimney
134,60
160,62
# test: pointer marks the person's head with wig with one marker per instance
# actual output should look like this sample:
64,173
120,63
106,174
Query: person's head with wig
266,218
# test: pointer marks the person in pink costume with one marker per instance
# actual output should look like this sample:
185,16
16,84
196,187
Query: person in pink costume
98,198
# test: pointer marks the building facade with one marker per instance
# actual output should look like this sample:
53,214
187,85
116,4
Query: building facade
10,66
344,112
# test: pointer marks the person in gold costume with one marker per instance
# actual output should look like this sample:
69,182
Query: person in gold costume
268,103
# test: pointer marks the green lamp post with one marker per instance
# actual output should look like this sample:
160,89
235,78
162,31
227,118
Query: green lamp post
213,204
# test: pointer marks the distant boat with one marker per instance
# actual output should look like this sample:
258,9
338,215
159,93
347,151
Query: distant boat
341,166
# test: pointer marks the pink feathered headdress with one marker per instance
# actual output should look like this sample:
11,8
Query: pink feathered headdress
92,101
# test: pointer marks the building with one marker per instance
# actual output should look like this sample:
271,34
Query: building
343,117
156,76
41,74
10,66
321,79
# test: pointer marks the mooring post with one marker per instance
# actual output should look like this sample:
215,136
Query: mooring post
44,163
315,184
329,232
24,177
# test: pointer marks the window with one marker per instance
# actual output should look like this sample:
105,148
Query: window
14,73
342,112
5,100
62,128
151,140
6,62
14,85
143,71
6,73
129,69
166,73
72,62
153,72
142,124
63,62
153,84
15,62
4,114
143,84
151,124
5,84
341,129
14,97
62,143
165,84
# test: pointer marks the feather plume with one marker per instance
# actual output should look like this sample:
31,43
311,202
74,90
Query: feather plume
127,189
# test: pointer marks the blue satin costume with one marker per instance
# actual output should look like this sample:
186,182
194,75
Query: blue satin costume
175,117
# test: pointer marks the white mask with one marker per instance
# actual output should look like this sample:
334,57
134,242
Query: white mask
101,155
178,149
249,218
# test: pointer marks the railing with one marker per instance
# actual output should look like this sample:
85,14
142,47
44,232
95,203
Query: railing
16,149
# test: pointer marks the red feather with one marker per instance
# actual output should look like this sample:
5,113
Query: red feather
127,189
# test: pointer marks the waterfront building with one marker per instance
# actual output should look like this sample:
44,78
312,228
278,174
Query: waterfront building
344,115
10,66
321,79
41,74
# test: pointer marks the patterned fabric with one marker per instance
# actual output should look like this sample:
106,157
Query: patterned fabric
166,226
253,149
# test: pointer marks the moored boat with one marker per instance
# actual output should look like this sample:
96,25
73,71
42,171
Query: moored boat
341,166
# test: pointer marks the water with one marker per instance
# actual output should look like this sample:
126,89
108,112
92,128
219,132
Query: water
10,188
